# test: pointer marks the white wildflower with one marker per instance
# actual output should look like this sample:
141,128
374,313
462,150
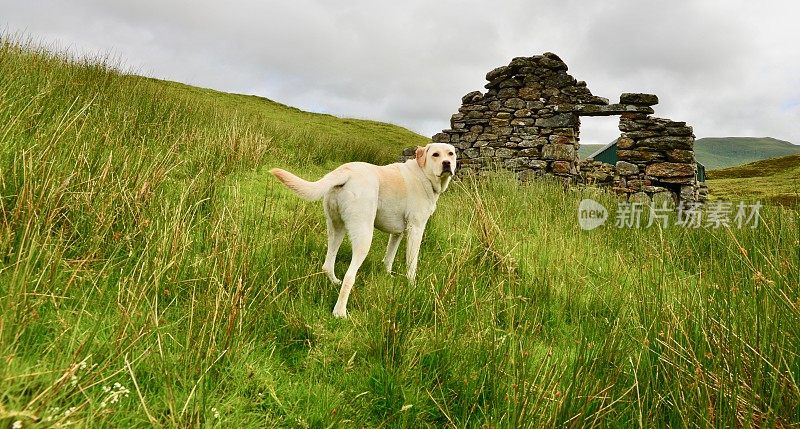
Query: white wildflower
114,394
17,425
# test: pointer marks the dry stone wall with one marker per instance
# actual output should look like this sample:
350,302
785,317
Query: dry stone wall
528,122
656,158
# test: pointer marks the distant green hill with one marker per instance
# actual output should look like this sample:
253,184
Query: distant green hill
775,180
587,149
724,152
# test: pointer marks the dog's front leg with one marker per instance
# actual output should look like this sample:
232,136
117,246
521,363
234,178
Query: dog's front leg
413,243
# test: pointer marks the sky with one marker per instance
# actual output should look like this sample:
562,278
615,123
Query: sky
726,67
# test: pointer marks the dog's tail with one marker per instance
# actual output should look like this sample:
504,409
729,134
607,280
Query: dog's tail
311,191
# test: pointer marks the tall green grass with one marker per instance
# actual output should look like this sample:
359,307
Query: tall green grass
143,243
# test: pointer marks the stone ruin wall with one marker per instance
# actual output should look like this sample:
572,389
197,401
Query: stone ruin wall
655,159
528,122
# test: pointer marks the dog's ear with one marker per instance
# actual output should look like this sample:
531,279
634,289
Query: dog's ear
420,155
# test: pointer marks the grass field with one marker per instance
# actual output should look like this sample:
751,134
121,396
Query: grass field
152,273
775,181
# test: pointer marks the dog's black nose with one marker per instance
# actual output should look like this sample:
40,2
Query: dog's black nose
446,165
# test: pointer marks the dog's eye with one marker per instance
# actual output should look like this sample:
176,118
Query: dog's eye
450,153
436,154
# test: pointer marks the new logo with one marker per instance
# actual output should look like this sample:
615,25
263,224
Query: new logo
591,214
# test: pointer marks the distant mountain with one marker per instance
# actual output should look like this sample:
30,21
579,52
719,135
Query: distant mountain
723,152
774,180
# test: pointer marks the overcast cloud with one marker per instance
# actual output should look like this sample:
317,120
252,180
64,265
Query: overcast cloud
729,68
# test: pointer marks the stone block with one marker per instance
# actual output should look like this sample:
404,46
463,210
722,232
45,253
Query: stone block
670,169
626,168
504,153
556,121
666,142
639,155
561,167
498,72
515,103
552,61
470,153
499,122
676,180
522,122
560,152
625,142
441,138
609,110
680,155
472,97
507,93
532,141
529,93
559,139
638,99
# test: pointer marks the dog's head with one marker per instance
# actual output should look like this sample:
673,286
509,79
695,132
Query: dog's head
437,159
438,162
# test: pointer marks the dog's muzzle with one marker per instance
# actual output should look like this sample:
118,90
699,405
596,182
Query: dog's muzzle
447,168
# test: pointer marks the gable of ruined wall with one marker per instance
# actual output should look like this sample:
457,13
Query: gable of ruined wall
525,122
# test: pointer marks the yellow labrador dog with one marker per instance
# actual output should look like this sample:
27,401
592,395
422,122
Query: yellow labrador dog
394,198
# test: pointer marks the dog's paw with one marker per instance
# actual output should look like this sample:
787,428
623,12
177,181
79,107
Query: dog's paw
339,313
333,279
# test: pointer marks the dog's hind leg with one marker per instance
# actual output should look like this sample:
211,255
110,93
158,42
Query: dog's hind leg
391,251
336,233
361,237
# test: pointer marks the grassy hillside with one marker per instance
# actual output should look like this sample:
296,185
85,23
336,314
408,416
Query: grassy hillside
152,273
587,149
723,152
775,180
